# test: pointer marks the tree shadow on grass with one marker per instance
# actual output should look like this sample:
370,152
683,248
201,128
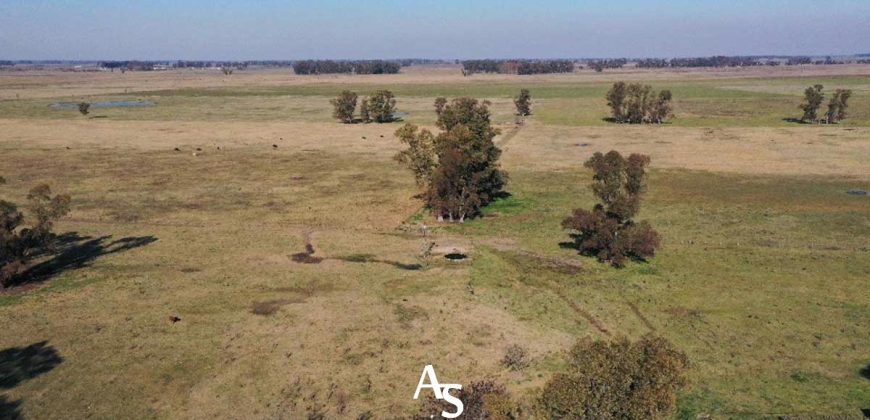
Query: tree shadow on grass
369,258
575,245
72,251
10,410
18,364
794,120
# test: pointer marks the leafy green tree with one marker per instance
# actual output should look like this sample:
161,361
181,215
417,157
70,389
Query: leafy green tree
838,105
420,156
813,98
17,244
466,175
344,106
619,379
523,103
661,107
608,231
616,101
637,102
364,111
440,103
381,106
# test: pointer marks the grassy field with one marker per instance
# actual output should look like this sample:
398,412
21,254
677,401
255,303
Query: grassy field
762,278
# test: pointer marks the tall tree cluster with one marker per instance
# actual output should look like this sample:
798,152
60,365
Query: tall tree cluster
458,167
636,104
609,231
380,107
837,106
19,244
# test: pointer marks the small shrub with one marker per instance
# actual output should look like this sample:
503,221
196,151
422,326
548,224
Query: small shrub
84,107
617,380
482,400
515,358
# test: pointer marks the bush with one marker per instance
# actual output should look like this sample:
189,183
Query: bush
84,107
608,231
482,400
344,106
617,380
515,357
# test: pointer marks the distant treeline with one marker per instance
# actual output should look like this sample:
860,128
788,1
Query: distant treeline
135,65
517,66
733,61
358,67
600,65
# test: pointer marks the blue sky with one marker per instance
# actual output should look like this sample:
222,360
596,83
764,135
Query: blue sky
271,29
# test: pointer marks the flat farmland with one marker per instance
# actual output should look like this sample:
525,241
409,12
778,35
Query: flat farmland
194,208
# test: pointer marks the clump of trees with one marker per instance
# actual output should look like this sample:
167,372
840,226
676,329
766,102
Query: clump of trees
522,102
636,104
617,380
459,167
600,65
517,66
837,106
18,244
356,67
380,107
608,231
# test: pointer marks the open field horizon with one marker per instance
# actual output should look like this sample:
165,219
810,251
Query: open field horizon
194,208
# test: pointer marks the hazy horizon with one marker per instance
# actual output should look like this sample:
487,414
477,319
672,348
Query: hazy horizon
448,29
